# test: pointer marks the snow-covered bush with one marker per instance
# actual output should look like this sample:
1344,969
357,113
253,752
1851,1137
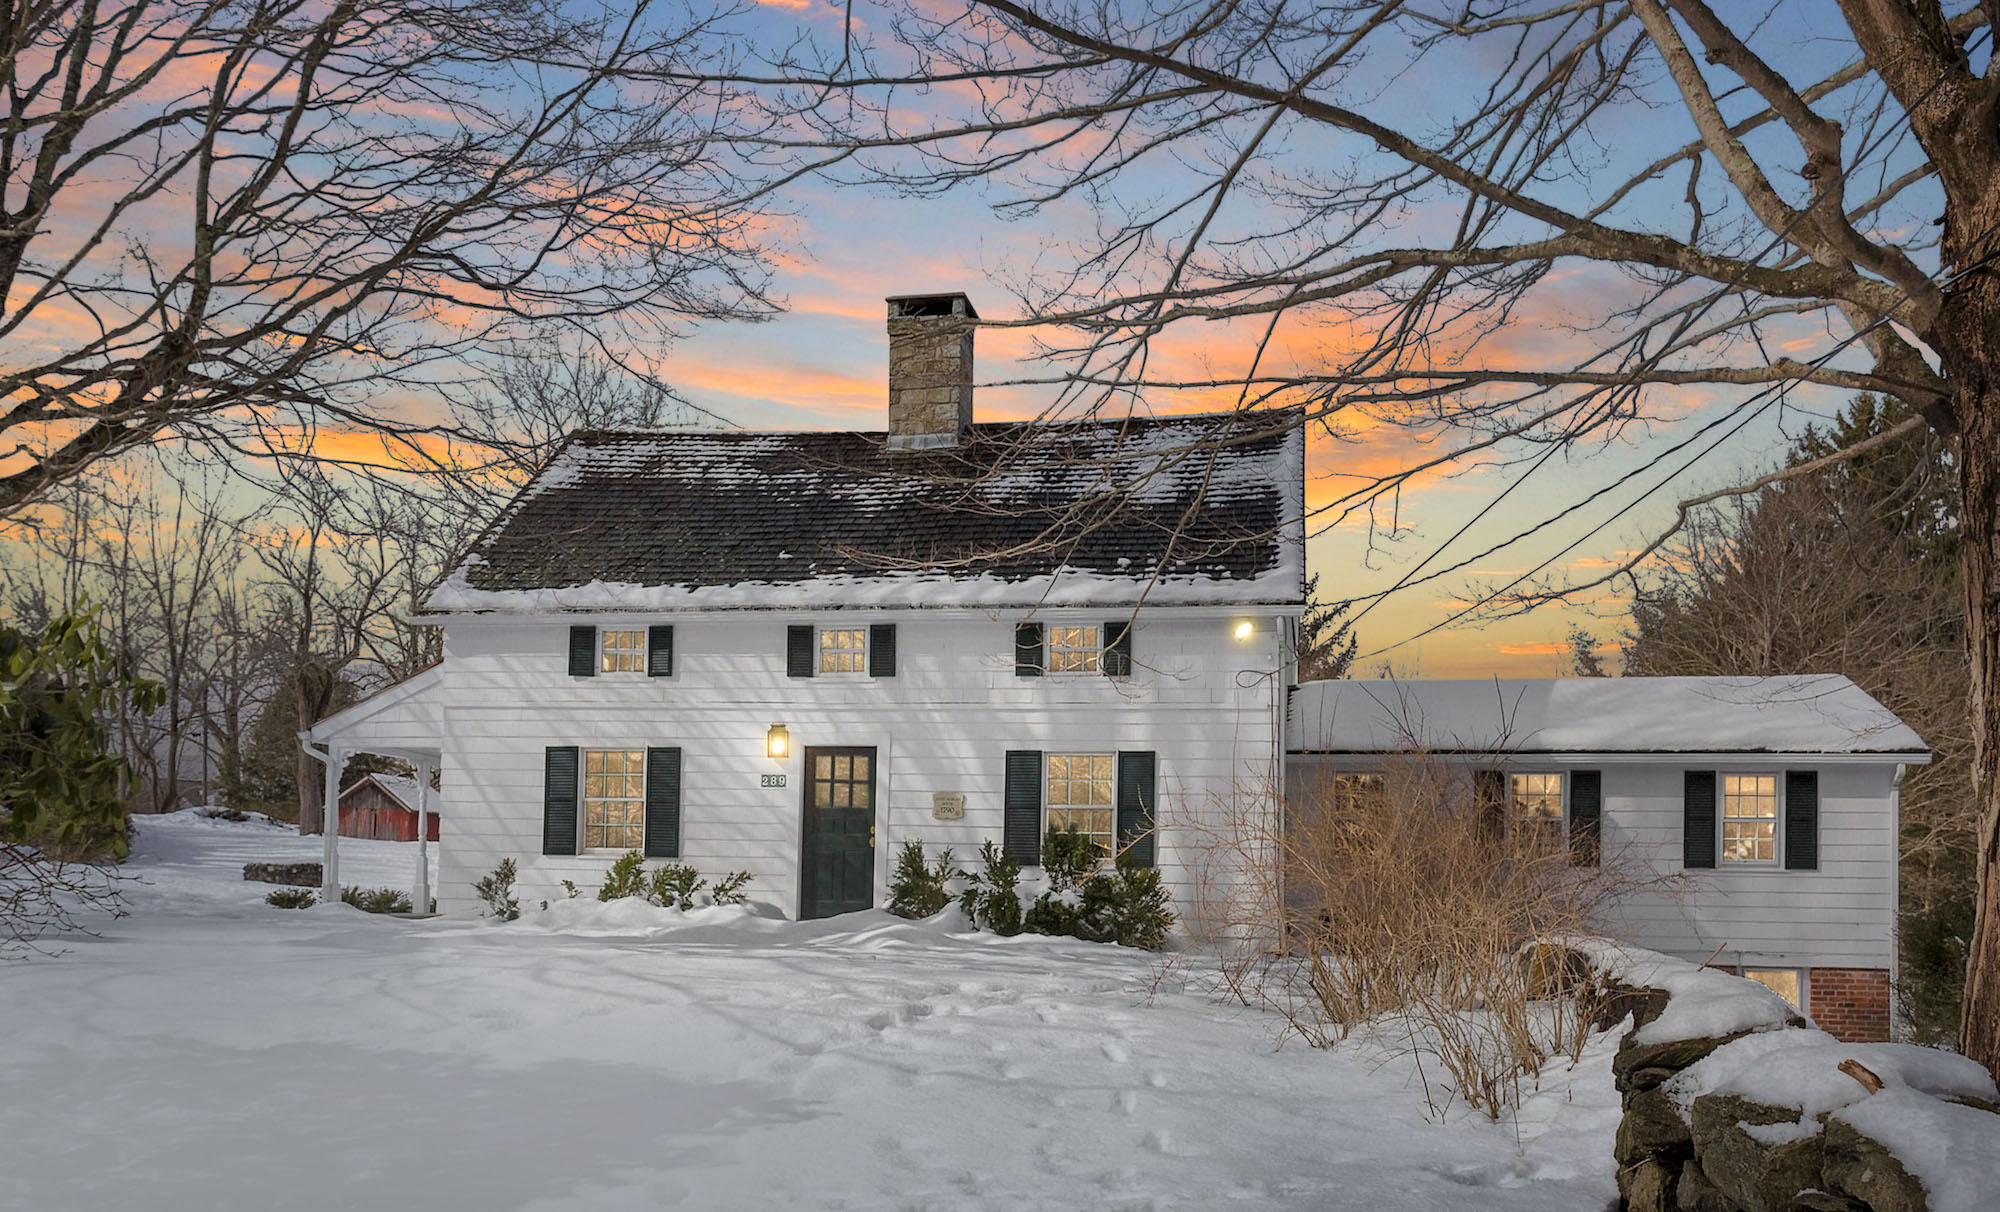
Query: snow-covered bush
673,886
497,890
292,898
627,877
729,889
375,900
991,897
919,889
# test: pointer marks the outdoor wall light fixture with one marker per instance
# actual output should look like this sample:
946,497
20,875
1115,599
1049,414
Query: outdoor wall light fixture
778,742
1245,629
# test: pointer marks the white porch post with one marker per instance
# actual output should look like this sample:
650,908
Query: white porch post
329,883
421,903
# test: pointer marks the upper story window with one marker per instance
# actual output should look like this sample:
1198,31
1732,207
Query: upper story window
1749,818
1537,809
614,799
1080,794
843,650
621,651
1075,650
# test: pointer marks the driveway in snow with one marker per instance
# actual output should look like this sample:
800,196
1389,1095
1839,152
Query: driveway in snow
212,1052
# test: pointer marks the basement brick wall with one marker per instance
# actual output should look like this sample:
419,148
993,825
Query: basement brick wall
1850,1004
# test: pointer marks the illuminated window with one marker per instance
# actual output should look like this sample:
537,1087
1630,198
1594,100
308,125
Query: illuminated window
1074,650
1537,800
1784,982
843,650
1749,818
1348,793
614,799
622,651
1080,794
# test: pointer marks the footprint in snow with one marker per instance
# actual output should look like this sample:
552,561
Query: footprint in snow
1157,1081
1160,1141
1126,1102
1115,1052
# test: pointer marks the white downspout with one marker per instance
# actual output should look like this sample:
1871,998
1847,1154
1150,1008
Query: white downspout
421,903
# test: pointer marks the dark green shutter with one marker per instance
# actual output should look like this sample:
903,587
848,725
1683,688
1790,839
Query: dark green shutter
1022,818
660,651
882,650
799,651
1586,817
583,652
1027,650
1698,819
1136,800
1117,637
559,799
1802,820
1489,792
663,803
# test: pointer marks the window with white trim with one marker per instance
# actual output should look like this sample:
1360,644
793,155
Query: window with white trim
1788,983
1081,793
1535,801
614,799
843,650
1749,818
621,651
1075,649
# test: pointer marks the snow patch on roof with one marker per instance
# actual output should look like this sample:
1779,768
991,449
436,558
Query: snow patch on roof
1807,713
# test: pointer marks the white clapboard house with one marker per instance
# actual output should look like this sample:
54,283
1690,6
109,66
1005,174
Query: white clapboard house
788,653
1771,801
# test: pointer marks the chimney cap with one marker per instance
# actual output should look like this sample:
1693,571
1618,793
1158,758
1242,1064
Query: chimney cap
950,303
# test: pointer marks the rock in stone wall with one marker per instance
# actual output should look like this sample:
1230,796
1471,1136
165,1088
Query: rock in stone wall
298,875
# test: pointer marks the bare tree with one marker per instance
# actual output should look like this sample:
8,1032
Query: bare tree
238,224
1372,190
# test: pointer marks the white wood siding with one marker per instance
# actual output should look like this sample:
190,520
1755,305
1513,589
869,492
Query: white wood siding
1842,915
943,723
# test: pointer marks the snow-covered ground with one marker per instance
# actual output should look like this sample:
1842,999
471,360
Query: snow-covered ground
213,1052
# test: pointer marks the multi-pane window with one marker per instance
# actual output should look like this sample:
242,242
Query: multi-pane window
1537,799
1080,794
1074,650
614,799
1782,981
1749,818
1349,793
843,650
622,651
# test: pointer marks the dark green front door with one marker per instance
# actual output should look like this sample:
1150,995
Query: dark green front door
837,869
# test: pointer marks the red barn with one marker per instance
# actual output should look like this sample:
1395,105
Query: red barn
384,807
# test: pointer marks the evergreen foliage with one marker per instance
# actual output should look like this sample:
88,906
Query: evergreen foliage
674,886
292,898
1069,857
627,877
1127,905
497,890
729,889
1327,642
375,900
918,889
58,776
991,897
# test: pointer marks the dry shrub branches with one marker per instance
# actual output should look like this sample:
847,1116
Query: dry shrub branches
1402,905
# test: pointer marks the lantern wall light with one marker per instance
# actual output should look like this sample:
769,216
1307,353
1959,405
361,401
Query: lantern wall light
778,742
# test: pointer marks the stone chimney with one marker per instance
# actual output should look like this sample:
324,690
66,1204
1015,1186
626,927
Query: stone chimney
930,370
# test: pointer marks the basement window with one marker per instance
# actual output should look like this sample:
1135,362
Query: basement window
843,650
1749,818
1075,650
1788,983
621,651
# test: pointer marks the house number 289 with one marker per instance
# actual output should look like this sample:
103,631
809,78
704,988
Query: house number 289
771,780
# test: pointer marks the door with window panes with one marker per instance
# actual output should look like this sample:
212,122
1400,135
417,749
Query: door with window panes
837,859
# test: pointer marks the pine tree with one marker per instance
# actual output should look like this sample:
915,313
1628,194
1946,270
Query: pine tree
1327,642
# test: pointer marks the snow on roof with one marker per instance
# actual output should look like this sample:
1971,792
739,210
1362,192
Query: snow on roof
1807,713
1183,510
